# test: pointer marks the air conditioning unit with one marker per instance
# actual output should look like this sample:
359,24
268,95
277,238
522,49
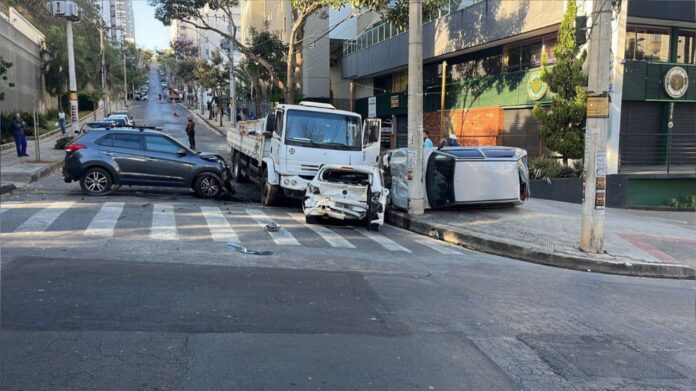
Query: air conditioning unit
56,8
67,9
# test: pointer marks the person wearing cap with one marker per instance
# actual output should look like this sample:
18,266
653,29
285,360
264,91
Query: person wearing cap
191,131
452,141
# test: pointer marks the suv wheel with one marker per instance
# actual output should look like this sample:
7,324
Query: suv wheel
96,182
208,185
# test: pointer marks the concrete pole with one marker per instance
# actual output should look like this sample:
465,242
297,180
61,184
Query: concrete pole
416,202
105,93
233,89
351,94
74,127
443,95
592,226
125,82
37,142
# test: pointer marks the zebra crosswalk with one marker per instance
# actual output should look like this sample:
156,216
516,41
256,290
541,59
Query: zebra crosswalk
172,222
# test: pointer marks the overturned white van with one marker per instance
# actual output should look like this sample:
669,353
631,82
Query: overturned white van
464,175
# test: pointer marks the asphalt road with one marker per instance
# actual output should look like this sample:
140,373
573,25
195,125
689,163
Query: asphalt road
137,291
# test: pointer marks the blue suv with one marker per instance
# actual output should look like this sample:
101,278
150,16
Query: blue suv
104,158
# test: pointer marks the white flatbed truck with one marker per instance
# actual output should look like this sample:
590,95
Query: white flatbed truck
283,151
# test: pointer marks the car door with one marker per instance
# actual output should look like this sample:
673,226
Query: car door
168,161
126,152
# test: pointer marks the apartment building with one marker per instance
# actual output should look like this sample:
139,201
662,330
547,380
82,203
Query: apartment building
119,18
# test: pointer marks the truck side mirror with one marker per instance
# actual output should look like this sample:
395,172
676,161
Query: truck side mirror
270,124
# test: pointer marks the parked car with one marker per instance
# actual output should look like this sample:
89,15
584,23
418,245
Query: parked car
143,97
354,193
121,119
121,112
464,175
87,126
104,158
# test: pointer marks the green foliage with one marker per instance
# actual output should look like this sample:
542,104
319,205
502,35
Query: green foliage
547,168
562,126
4,66
62,142
184,48
211,74
684,202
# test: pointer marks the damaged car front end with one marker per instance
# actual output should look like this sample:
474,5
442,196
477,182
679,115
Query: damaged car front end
353,193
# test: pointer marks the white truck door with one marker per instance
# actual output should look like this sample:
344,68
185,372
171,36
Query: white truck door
372,129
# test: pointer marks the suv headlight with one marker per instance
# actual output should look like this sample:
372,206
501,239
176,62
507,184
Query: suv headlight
313,189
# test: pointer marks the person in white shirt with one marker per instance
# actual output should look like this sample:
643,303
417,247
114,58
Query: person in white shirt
61,121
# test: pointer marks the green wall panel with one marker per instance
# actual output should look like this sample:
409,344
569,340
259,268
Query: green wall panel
644,81
658,191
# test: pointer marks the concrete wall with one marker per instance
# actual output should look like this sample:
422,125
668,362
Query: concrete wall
25,72
479,24
316,82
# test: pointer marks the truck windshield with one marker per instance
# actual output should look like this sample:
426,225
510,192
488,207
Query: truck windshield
323,130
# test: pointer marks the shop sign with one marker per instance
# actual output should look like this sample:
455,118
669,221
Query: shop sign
536,88
394,101
372,107
676,82
597,105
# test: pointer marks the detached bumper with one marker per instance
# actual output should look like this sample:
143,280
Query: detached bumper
318,205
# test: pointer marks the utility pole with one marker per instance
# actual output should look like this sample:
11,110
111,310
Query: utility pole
125,81
416,201
74,110
233,90
443,95
105,93
592,228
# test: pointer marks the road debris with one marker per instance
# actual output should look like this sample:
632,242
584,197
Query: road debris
244,250
271,227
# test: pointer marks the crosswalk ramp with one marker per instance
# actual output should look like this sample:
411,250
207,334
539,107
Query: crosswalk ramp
177,222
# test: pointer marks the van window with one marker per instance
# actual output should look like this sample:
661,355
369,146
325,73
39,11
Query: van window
439,180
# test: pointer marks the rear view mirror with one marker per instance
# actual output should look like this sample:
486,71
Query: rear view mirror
270,124
181,152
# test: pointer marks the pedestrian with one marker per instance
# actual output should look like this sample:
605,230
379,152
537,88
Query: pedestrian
427,143
210,109
61,121
20,137
191,131
452,141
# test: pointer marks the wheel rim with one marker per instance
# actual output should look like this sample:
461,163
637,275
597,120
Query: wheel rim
210,186
96,182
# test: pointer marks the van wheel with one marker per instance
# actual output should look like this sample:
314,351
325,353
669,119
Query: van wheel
96,182
269,192
208,185
236,168
374,227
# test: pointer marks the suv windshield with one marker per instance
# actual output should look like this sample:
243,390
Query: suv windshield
323,130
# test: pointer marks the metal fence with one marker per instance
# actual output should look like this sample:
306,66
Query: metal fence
658,152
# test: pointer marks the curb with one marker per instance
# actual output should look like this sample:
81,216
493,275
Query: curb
501,248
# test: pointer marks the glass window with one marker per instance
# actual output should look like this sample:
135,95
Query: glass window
549,46
439,179
161,144
372,131
513,59
531,55
323,130
686,47
107,141
647,44
128,141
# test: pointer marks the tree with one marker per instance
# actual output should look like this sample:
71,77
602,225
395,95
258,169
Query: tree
563,123
4,66
212,74
189,12
184,48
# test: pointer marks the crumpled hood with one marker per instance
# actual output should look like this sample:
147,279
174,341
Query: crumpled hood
340,191
212,157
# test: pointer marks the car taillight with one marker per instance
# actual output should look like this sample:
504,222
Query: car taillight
74,147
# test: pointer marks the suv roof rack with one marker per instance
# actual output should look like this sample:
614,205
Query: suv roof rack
139,127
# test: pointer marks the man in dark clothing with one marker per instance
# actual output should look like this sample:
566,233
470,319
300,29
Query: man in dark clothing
191,132
452,140
19,134
210,109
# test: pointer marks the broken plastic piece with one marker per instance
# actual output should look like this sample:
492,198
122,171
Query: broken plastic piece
272,227
238,247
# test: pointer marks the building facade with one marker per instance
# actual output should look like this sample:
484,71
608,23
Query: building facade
120,20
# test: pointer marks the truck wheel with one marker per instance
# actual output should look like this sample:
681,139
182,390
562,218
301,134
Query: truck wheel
311,220
236,168
269,192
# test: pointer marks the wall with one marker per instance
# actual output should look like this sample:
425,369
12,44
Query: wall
25,71
316,83
479,24
476,126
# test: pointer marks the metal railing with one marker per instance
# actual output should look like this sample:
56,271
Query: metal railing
658,152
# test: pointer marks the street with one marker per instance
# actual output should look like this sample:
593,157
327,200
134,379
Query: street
137,290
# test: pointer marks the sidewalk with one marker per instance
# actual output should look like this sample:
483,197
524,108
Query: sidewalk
212,123
637,243
16,172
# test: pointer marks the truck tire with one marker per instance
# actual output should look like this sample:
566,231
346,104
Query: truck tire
269,192
236,167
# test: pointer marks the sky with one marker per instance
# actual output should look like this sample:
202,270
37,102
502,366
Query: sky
150,33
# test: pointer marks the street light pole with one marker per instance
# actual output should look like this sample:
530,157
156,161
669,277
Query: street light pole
125,81
592,225
416,201
105,94
74,128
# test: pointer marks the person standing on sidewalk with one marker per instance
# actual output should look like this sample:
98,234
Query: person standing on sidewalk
61,121
20,136
191,131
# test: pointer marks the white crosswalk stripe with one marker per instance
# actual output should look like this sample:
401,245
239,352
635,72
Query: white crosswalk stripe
440,248
331,237
220,228
7,205
41,220
384,241
281,237
105,221
163,222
